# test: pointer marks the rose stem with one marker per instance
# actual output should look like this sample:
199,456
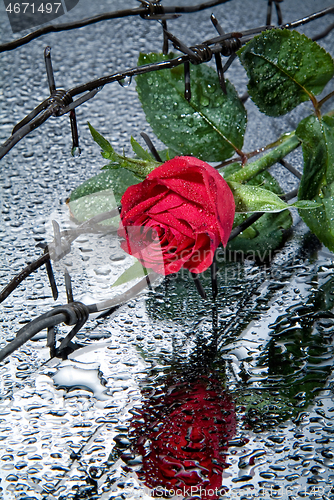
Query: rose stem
213,268
252,169
199,285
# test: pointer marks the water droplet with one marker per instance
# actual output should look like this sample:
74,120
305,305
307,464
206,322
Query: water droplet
125,82
76,151
205,101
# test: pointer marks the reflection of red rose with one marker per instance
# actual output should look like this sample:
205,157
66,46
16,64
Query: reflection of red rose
183,439
178,216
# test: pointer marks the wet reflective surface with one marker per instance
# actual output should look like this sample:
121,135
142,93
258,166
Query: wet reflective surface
171,392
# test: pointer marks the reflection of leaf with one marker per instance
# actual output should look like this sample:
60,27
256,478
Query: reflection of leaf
209,127
318,178
298,359
137,270
284,68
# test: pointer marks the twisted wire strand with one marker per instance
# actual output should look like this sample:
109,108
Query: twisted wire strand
77,313
198,54
150,11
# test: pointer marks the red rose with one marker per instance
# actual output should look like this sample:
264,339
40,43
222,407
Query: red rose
177,216
183,439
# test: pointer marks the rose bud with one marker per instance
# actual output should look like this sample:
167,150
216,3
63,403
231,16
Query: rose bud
183,437
177,216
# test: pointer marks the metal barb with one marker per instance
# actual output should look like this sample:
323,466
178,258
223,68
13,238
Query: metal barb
269,11
74,130
291,168
220,73
216,24
51,277
187,88
165,37
151,147
279,12
68,285
49,69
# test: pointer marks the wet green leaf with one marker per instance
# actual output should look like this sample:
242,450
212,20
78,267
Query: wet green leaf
88,206
318,150
306,204
284,68
317,182
117,179
100,193
264,236
321,220
139,151
209,127
255,199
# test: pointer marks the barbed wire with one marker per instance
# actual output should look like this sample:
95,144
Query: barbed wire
148,10
61,102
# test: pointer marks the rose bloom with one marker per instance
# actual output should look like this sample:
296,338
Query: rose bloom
177,216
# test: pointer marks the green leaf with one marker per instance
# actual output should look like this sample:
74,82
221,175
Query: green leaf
141,168
86,207
284,68
255,199
321,220
317,182
318,150
211,126
262,238
100,193
306,204
137,270
139,151
101,141
118,179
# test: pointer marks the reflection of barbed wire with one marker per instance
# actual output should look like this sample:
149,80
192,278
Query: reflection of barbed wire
61,101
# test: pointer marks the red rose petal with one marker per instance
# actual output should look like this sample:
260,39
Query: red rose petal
190,206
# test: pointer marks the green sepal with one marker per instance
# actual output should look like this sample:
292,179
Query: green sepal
141,168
